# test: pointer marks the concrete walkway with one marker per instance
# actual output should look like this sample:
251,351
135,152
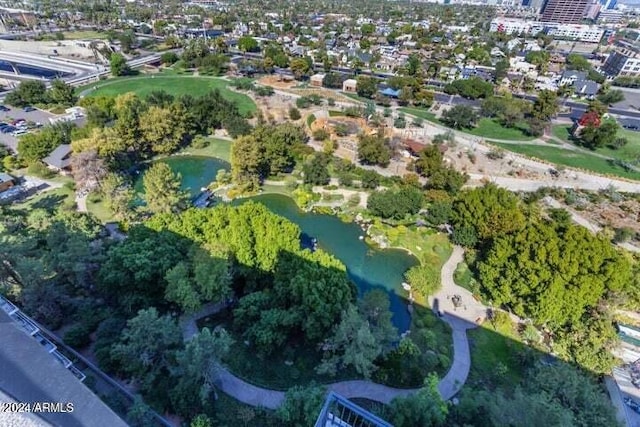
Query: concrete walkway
448,387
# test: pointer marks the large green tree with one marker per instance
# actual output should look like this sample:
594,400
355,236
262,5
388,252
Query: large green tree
374,150
196,369
352,344
422,409
489,210
162,193
551,275
147,346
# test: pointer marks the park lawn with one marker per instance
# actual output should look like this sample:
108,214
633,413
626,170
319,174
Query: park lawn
356,97
463,276
425,244
81,35
49,200
174,85
489,128
490,347
219,148
569,158
419,112
628,153
97,207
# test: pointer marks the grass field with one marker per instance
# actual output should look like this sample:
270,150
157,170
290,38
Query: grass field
174,85
487,128
220,148
418,112
49,200
493,350
97,207
574,159
78,35
628,153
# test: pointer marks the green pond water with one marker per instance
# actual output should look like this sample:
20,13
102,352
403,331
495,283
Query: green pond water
369,268
196,172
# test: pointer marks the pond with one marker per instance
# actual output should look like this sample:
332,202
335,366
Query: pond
368,267
196,172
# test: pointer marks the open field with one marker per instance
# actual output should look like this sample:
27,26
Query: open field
83,35
487,128
219,148
173,84
629,153
569,158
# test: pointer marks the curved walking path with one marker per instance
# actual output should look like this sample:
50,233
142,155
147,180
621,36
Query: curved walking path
448,386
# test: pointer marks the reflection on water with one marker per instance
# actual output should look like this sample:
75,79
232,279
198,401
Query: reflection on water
368,267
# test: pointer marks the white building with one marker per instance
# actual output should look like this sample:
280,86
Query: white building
583,33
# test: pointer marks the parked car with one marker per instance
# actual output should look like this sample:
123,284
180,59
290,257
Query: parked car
28,109
18,121
4,108
19,132
7,129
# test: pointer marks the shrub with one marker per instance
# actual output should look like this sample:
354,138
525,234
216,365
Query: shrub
331,102
320,134
78,336
294,113
200,142
40,170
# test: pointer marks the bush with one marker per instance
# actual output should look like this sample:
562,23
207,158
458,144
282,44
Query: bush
341,129
331,102
424,279
40,170
354,200
400,122
294,113
200,142
264,91
320,134
623,234
78,336
303,102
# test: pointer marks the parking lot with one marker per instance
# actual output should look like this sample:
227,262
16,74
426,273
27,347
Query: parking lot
15,113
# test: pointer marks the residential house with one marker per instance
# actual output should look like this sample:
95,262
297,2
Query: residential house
582,86
60,158
6,181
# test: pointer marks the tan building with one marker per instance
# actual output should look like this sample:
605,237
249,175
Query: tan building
317,79
350,85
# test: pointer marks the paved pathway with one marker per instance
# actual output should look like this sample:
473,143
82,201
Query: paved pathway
448,387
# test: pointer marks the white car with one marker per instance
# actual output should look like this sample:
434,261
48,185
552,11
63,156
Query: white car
19,132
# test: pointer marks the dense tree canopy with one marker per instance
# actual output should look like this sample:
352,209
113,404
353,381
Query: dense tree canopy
551,275
268,150
374,150
489,211
472,88
395,203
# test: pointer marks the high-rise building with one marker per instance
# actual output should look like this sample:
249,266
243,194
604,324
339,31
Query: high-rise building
564,11
608,4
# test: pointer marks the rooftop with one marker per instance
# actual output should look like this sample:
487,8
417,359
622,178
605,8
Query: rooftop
30,373
59,157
